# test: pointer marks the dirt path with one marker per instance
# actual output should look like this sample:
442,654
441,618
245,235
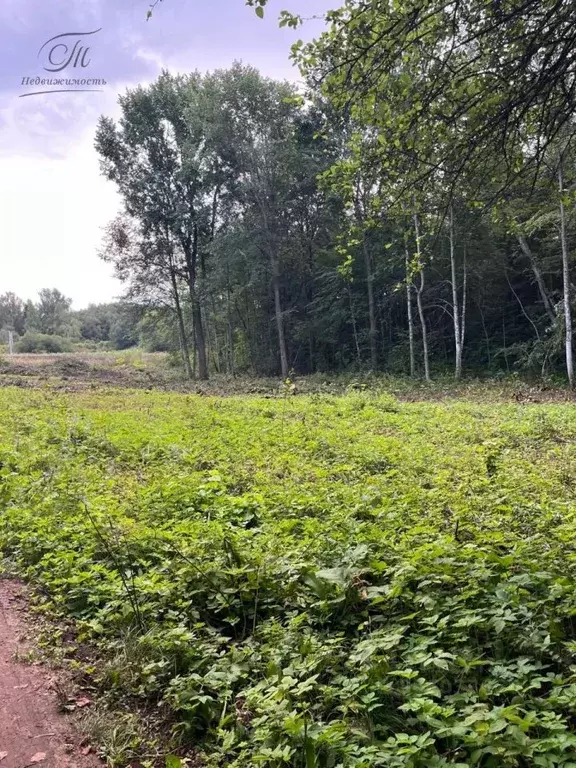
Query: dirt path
32,729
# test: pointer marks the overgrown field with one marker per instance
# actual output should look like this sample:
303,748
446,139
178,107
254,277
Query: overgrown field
313,580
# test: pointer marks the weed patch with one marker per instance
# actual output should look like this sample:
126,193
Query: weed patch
320,581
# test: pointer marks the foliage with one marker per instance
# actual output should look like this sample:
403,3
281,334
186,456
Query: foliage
455,88
51,313
116,323
12,314
218,179
109,322
287,240
315,580
42,342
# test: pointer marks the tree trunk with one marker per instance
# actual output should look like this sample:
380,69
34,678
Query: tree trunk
216,355
309,299
371,306
200,339
195,355
191,254
419,291
527,251
229,322
354,328
455,303
181,327
410,316
566,278
464,298
522,308
504,343
280,320
230,335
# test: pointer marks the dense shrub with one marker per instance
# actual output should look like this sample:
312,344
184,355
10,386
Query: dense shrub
42,342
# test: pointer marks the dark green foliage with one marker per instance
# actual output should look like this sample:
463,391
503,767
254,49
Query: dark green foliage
51,317
302,222
51,314
12,313
43,342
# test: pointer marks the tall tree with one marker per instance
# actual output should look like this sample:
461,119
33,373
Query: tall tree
156,157
565,273
417,67
253,128
148,264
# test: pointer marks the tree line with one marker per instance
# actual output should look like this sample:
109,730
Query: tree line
347,228
49,324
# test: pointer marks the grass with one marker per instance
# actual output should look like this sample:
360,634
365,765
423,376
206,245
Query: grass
315,580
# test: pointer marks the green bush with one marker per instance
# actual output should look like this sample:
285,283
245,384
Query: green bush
41,342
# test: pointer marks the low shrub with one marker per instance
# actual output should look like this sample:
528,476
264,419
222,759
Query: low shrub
32,343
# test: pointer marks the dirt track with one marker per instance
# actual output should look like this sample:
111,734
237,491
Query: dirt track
32,729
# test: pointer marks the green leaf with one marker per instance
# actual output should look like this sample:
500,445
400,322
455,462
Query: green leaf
310,755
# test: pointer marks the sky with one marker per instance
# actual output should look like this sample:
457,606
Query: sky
54,203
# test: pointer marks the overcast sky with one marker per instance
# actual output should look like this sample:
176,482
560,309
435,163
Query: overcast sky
53,201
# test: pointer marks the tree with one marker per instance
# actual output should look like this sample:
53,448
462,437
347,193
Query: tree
51,314
96,321
124,327
286,228
12,314
148,263
266,160
156,156
418,68
565,272
420,266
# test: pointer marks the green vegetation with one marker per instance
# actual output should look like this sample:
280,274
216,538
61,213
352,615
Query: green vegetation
411,211
320,575
50,325
414,212
42,342
308,580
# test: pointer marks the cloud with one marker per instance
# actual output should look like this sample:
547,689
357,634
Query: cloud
49,125
149,56
53,213
15,15
53,201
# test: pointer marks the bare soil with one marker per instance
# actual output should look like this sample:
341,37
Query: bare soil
87,371
33,730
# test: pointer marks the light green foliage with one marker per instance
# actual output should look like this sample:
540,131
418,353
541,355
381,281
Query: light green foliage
312,580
